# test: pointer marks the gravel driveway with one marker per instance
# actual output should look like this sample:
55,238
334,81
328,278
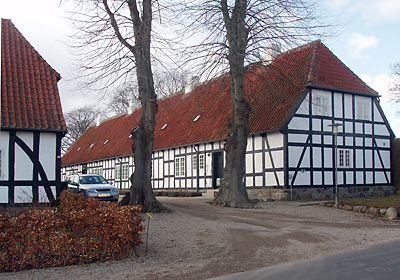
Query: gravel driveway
199,241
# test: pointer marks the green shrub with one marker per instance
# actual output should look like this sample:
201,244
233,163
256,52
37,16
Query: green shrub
80,230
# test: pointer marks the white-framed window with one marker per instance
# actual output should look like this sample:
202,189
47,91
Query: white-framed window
321,105
180,166
344,158
122,172
125,172
97,170
363,109
201,162
117,172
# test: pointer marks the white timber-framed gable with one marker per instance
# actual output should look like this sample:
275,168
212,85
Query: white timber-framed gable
36,154
363,142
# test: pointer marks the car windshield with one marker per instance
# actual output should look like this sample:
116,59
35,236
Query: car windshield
95,179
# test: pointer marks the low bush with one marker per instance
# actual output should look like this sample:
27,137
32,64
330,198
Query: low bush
79,231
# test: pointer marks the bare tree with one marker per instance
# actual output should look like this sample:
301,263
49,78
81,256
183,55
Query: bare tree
166,83
232,34
78,121
170,81
114,38
122,98
395,85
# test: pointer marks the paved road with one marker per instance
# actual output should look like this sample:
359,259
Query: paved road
379,262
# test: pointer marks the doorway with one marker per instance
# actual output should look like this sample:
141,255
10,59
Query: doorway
217,169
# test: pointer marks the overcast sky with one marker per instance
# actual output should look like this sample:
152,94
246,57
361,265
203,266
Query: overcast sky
368,44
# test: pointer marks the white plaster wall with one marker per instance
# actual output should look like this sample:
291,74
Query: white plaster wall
377,114
47,154
381,129
294,157
270,179
258,162
328,177
348,104
317,178
249,146
385,158
4,139
23,194
316,125
23,165
349,177
3,194
298,123
257,143
297,138
328,157
303,178
304,108
249,163
258,181
249,181
42,193
275,140
338,107
317,157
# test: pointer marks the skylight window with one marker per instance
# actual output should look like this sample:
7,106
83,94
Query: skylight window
196,118
106,142
78,149
130,135
164,126
91,145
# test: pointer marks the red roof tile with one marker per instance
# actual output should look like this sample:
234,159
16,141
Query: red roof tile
272,91
29,92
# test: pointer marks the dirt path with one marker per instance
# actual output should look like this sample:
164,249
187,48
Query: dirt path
199,241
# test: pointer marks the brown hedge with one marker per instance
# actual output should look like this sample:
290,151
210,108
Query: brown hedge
79,231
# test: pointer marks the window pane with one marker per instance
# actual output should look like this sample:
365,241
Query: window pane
177,167
341,158
195,162
125,172
347,157
201,163
117,172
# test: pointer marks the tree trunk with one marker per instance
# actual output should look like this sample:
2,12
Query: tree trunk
143,135
232,191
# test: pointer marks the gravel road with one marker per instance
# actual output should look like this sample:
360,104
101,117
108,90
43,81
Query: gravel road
200,241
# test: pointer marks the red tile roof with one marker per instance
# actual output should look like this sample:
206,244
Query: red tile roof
29,92
272,91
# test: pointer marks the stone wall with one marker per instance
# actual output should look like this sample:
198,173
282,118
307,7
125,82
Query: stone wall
396,163
320,193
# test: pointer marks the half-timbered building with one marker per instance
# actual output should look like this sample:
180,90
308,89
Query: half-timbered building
294,99
32,123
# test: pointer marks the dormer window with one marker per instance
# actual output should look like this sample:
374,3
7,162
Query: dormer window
196,118
164,126
105,142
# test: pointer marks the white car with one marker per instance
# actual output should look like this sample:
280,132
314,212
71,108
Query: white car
94,186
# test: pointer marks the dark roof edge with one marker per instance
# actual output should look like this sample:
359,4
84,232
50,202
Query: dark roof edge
33,129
